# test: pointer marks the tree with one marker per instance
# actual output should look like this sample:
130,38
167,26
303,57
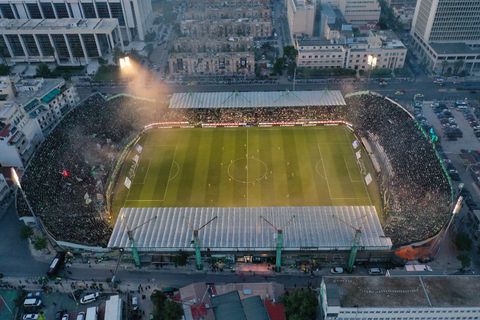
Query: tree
300,304
43,70
290,53
40,243
463,242
164,308
465,260
26,232
149,37
4,70
278,66
172,310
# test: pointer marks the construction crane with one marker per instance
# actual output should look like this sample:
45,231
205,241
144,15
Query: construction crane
196,243
355,243
135,255
279,242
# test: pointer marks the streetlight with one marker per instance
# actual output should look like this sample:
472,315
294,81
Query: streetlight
16,181
372,62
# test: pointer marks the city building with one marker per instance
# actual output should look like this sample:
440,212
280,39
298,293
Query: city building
332,23
384,45
239,300
404,14
446,35
133,16
64,41
220,63
322,54
352,53
301,17
400,298
358,12
29,114
6,187
217,38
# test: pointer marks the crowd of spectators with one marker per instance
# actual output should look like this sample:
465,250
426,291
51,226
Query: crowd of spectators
67,178
415,189
65,181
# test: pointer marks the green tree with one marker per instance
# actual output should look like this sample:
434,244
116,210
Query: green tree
43,70
465,260
290,53
26,232
4,70
463,242
300,304
163,308
149,37
172,310
278,66
40,243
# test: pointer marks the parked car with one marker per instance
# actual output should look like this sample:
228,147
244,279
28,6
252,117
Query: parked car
376,271
65,316
30,316
89,298
336,270
81,316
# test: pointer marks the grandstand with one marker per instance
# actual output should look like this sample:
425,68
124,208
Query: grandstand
406,175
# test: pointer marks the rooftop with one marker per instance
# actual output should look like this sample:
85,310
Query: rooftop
453,48
407,291
57,25
312,228
268,99
47,86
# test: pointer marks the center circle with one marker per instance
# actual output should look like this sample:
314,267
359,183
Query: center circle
247,170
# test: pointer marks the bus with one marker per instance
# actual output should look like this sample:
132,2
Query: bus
56,264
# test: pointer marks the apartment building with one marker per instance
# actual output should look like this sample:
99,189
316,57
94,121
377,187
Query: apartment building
446,34
133,16
357,12
224,28
219,63
400,298
64,41
322,54
301,17
29,111
352,53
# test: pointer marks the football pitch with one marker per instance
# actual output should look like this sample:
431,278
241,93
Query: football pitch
238,167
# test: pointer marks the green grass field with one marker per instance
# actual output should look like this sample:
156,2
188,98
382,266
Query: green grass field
236,167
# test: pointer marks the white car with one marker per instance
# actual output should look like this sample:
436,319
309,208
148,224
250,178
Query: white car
336,270
30,316
65,316
89,298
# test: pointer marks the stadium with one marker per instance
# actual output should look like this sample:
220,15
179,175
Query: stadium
308,176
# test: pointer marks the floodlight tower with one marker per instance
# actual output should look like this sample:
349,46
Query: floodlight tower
133,246
355,243
372,62
279,242
196,243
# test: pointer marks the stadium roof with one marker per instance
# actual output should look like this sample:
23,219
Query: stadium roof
256,99
312,228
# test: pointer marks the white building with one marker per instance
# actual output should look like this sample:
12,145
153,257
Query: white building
358,12
400,298
353,53
322,54
301,17
447,35
30,115
64,41
134,16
